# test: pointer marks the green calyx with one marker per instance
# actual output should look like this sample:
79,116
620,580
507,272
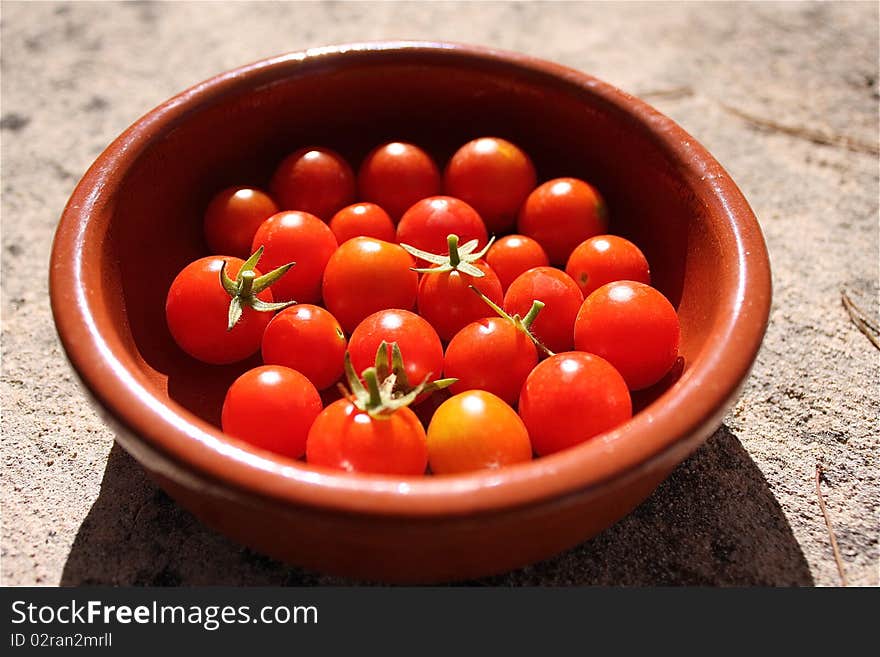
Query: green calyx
460,258
385,387
523,324
247,285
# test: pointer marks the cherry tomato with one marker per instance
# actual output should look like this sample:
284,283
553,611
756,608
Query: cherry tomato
512,255
314,180
233,217
554,327
428,223
271,407
633,327
447,302
562,213
363,220
490,354
346,438
366,275
476,430
604,259
572,397
418,341
494,177
396,175
298,237
197,312
308,339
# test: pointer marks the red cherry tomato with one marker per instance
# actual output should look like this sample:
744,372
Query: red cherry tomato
476,430
418,341
633,327
366,275
308,339
197,312
512,255
362,220
562,213
554,327
447,302
271,407
345,438
428,223
396,175
494,177
604,259
572,397
233,217
298,237
490,354
314,180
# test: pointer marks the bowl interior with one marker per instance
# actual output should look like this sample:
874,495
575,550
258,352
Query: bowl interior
236,128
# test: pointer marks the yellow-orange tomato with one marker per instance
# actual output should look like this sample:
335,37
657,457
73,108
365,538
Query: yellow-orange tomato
475,430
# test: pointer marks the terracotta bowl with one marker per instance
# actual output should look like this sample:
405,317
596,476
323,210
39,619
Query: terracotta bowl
135,220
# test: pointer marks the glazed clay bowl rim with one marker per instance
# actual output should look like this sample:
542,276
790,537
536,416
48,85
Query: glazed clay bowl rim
668,428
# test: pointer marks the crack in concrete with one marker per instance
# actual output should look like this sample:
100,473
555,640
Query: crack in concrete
801,132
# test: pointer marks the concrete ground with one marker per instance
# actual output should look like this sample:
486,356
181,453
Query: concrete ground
784,95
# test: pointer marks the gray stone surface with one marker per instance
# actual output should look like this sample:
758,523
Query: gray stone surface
785,95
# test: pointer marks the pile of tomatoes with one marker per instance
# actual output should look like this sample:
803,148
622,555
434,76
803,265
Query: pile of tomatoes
378,283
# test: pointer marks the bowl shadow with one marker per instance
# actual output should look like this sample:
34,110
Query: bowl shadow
713,522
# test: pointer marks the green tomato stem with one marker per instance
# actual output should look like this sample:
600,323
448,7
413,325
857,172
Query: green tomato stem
494,306
523,325
372,382
540,345
454,257
244,289
380,399
246,284
532,315
460,257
